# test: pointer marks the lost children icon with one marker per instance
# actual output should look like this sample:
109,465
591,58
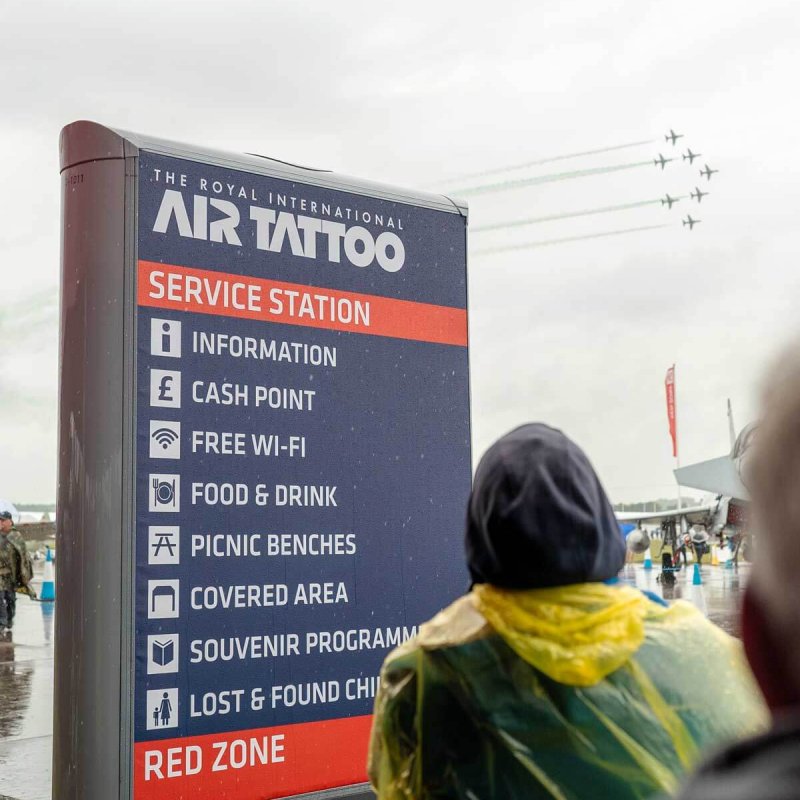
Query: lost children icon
162,708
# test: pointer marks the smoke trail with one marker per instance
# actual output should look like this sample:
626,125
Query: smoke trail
567,215
520,183
550,160
550,242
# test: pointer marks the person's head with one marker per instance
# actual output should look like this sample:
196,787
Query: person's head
6,521
538,515
771,612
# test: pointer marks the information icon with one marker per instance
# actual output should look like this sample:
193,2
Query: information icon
165,338
162,653
162,709
165,388
165,438
164,492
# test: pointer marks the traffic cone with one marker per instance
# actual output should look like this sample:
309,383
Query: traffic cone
714,556
48,615
648,559
697,578
48,581
696,595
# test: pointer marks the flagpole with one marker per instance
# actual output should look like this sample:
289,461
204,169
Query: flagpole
677,447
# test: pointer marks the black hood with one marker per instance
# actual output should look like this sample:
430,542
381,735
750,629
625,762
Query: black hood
538,515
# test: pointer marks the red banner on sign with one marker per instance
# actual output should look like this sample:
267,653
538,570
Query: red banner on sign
262,763
208,292
672,412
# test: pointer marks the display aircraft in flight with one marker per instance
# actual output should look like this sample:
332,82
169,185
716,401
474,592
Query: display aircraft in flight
698,195
668,201
662,161
708,172
690,156
690,222
673,137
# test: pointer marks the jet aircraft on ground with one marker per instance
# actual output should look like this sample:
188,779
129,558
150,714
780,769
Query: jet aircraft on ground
662,161
668,201
673,137
726,515
698,195
708,172
690,156
690,222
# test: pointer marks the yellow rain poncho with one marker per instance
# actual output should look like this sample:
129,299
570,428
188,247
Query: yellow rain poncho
572,693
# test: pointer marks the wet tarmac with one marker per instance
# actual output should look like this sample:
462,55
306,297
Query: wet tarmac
26,704
26,671
718,596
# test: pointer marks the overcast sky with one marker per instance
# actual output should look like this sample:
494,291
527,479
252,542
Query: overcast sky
577,334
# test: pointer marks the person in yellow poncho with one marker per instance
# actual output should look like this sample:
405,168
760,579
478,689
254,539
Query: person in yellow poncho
544,681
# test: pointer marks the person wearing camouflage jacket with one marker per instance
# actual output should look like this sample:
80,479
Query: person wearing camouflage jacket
9,574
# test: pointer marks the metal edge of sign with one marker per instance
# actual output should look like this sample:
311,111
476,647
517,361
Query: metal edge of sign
469,350
88,640
86,140
128,566
357,791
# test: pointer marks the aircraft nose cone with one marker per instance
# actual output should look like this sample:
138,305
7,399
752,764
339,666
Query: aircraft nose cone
638,541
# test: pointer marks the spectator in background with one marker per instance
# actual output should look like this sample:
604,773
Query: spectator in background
684,542
9,577
768,767
25,564
699,542
544,681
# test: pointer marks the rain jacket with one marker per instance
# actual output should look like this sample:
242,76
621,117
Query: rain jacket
25,570
567,693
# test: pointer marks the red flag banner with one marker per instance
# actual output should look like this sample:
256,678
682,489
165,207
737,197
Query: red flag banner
669,383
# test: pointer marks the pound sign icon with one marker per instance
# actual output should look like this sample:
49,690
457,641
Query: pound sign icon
165,388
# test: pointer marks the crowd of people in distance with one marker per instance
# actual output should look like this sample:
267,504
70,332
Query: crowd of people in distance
551,679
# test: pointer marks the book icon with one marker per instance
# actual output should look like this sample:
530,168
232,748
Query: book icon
162,654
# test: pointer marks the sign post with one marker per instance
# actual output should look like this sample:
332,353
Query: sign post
265,462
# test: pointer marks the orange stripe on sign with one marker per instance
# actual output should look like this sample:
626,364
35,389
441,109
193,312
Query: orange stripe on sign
224,294
263,763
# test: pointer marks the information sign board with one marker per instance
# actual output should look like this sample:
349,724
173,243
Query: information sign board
298,463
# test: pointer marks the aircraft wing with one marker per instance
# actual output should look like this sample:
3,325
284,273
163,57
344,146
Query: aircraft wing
693,514
717,475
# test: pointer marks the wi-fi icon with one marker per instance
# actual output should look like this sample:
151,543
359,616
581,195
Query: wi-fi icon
165,437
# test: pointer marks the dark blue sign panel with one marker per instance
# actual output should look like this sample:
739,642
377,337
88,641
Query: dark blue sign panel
303,464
